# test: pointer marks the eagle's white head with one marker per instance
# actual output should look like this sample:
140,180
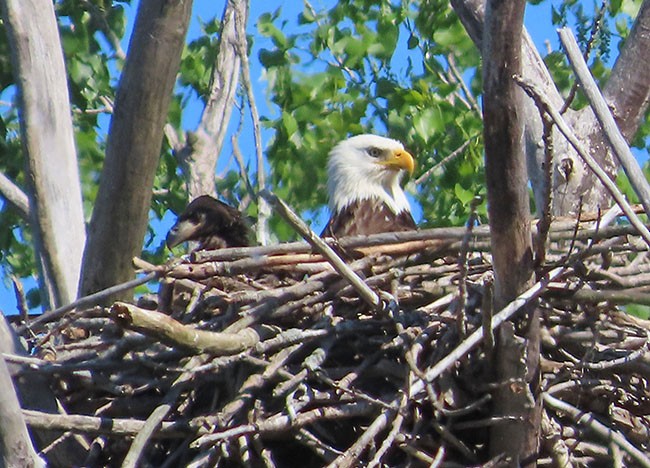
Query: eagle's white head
367,166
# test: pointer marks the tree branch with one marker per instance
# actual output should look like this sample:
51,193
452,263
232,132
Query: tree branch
199,157
168,330
16,448
604,432
263,209
339,265
15,196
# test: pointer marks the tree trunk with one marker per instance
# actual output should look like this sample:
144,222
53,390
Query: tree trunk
120,217
15,445
56,210
574,187
509,215
628,89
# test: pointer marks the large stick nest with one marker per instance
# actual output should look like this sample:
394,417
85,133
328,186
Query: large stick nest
267,356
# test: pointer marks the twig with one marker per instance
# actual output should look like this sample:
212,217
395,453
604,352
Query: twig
350,456
604,432
246,392
153,422
91,299
533,92
241,45
98,425
429,172
281,422
388,442
21,302
604,116
458,77
552,440
462,264
592,37
544,225
594,296
320,448
243,173
368,295
486,316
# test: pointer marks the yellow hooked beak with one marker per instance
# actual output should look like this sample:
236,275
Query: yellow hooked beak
399,159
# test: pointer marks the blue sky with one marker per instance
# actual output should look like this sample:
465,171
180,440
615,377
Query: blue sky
538,22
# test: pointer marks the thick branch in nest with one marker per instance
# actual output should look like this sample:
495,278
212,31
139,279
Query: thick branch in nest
168,330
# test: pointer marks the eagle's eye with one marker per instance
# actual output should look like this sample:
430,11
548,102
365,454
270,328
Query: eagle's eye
196,218
374,152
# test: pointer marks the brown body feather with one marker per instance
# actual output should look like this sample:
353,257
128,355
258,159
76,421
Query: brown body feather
369,216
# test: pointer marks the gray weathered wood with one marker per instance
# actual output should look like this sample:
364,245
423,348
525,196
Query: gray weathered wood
574,186
15,445
14,195
48,139
16,448
200,154
628,88
605,118
120,217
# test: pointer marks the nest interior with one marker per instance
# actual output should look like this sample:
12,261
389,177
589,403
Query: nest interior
270,357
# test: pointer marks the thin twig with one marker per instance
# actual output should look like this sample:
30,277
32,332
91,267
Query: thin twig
429,172
532,90
462,264
263,210
368,295
90,300
606,433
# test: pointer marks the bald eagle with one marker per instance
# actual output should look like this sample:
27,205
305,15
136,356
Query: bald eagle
363,185
213,224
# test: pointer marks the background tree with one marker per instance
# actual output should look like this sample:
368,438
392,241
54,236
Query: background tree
335,72
55,210
407,69
120,215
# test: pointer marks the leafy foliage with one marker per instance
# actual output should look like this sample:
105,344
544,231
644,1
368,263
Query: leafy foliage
403,68
363,66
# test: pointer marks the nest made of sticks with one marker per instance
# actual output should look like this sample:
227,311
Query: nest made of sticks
268,356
